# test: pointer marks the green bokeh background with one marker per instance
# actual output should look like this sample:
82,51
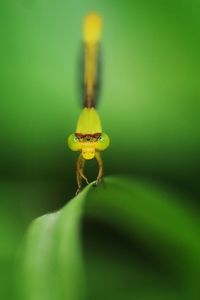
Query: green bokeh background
149,102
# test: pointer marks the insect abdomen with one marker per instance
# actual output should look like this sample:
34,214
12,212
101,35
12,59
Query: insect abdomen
91,37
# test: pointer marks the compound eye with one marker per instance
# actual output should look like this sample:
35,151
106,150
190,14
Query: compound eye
73,142
103,142
100,139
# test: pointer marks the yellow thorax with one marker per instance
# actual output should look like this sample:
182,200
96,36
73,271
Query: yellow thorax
89,122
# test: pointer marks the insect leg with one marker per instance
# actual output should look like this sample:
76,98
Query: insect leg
79,172
100,164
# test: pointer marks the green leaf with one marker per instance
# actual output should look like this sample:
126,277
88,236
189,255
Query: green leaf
126,239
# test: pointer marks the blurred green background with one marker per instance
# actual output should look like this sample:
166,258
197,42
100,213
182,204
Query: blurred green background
149,103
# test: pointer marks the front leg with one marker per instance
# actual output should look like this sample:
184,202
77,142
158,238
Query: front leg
100,164
79,173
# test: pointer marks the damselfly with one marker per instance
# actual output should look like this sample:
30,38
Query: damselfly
89,139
